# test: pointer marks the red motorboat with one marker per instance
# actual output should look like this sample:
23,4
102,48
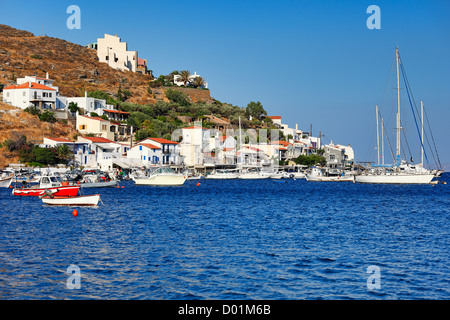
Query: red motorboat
50,185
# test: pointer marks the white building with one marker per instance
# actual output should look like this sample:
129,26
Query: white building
194,140
88,104
170,150
33,91
105,153
146,153
114,52
176,80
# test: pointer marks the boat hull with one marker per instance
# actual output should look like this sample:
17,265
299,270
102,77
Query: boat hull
5,183
396,179
161,180
72,201
108,184
65,191
330,179
222,176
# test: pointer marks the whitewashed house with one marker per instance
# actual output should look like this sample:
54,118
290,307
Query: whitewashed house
170,150
105,152
114,52
146,153
178,82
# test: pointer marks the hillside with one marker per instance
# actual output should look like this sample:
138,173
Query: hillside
15,121
74,68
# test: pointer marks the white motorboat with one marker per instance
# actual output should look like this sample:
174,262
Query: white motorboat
223,174
319,175
160,176
94,181
5,182
91,200
253,174
400,172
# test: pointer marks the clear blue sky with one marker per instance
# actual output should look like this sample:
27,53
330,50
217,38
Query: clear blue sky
312,62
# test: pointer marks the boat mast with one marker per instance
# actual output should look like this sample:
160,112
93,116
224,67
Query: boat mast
240,140
421,108
398,110
378,138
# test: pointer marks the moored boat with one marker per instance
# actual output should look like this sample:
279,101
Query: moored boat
160,176
49,184
91,200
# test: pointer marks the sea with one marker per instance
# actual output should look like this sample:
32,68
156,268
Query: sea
231,240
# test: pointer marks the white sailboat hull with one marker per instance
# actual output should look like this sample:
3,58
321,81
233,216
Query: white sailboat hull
330,179
250,176
161,180
396,178
222,176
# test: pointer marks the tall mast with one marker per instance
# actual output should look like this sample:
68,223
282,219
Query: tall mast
378,138
421,108
382,140
398,109
240,139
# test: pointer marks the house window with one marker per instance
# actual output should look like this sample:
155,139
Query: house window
83,127
107,58
103,127
140,148
50,94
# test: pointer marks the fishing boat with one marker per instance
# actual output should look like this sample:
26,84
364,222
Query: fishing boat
160,176
91,200
48,183
401,172
253,174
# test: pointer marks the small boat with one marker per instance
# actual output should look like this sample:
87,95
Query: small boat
5,181
318,175
160,176
94,181
91,200
50,184
223,174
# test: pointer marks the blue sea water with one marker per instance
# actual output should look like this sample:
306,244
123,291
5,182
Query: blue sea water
231,239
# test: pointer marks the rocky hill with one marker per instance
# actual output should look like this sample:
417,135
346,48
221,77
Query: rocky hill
15,121
74,68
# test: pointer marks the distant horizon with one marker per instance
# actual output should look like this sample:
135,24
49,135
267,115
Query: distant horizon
310,62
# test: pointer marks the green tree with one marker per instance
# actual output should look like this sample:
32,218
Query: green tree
198,82
310,160
63,153
255,110
185,77
47,116
177,96
73,107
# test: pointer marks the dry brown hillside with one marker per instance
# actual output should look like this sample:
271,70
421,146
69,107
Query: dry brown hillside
15,120
74,68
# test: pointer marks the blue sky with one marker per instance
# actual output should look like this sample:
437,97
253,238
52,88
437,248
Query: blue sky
312,62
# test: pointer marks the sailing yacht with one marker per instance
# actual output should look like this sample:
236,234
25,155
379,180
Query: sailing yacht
401,172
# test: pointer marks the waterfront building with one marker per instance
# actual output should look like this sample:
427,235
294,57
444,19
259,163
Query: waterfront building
170,150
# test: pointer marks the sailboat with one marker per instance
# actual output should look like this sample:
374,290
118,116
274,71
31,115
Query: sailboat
400,172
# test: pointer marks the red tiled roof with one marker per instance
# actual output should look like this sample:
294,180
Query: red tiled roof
95,118
60,139
115,111
26,85
162,141
284,143
275,117
228,149
196,128
148,145
99,139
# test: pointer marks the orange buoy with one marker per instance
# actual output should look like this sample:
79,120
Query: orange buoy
198,184
75,212
122,187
